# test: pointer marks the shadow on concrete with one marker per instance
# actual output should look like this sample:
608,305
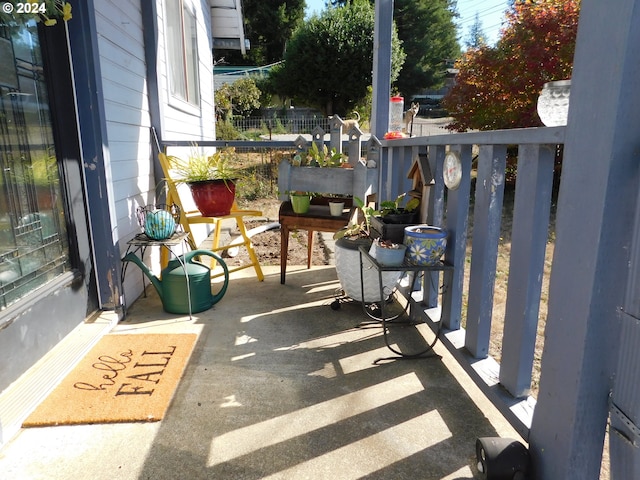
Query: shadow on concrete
282,386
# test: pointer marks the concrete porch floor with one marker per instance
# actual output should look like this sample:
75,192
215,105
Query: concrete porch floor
281,386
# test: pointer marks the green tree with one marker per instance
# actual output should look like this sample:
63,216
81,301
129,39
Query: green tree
476,37
429,39
268,25
329,60
238,98
498,87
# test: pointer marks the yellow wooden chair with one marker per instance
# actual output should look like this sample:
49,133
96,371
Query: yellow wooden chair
192,216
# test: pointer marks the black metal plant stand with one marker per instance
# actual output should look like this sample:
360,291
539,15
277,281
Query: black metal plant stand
413,271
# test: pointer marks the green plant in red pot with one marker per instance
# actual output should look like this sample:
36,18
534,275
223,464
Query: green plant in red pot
211,179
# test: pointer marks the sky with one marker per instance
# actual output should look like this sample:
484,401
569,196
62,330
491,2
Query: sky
490,13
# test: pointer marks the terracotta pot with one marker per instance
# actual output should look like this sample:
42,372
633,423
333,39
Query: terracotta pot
214,198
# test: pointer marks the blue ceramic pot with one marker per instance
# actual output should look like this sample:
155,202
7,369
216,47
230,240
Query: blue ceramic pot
425,244
388,257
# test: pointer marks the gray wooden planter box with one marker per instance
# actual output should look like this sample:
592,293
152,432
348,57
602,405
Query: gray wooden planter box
359,181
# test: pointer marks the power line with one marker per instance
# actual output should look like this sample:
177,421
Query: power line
488,11
480,15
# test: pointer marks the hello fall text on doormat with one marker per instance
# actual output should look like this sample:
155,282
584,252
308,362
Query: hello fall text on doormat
124,378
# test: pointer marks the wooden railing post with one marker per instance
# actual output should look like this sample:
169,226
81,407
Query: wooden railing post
526,265
284,179
486,234
434,216
335,133
317,137
456,225
365,181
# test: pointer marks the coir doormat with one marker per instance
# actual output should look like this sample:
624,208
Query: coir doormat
124,378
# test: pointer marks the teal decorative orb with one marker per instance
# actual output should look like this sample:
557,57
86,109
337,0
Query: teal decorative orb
159,224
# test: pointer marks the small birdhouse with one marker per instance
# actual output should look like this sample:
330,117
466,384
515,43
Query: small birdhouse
421,181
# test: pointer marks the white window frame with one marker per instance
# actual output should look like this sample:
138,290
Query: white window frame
183,61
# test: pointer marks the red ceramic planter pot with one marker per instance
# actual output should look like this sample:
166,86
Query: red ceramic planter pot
213,198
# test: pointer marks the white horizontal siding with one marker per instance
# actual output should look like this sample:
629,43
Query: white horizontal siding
121,22
129,164
126,115
123,133
126,106
118,66
125,156
226,19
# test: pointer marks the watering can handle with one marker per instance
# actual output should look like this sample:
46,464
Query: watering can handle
188,258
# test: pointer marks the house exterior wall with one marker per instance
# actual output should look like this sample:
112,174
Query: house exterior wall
178,121
119,125
130,168
117,97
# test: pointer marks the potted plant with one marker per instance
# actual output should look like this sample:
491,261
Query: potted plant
336,207
324,157
347,259
388,253
392,211
391,219
425,244
300,201
211,180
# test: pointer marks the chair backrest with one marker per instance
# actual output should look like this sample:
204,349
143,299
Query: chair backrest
180,194
172,196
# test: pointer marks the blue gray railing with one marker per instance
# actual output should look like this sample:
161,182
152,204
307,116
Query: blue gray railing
507,384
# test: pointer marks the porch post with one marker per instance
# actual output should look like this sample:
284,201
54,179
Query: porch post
381,67
83,38
596,208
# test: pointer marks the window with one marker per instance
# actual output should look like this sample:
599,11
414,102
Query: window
182,47
34,246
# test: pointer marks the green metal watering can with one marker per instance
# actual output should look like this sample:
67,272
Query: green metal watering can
173,290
